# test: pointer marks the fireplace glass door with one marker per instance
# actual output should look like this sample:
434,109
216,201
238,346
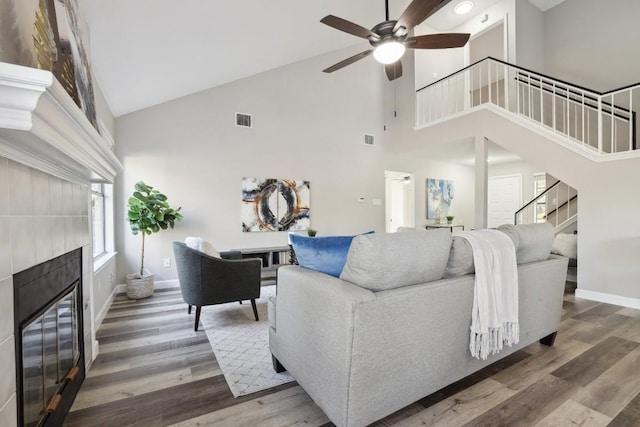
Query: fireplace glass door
50,349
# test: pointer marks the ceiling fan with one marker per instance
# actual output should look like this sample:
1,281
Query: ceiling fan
389,38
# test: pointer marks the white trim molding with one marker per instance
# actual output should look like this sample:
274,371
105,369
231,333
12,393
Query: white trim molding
41,127
608,298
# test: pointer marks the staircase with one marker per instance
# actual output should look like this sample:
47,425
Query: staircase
557,205
584,138
598,126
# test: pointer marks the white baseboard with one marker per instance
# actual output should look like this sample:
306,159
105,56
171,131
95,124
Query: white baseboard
163,284
160,284
608,298
107,304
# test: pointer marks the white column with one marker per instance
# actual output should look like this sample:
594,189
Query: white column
482,176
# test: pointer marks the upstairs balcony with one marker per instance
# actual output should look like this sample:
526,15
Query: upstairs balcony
599,126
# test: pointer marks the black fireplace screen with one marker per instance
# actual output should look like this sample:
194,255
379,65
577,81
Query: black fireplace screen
49,345
49,353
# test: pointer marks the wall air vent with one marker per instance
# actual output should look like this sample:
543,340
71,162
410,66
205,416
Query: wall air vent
369,140
243,120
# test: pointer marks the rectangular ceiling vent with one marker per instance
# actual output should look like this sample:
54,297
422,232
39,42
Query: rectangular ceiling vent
369,140
243,120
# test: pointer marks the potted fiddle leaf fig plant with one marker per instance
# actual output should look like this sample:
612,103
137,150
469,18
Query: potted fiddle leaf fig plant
148,212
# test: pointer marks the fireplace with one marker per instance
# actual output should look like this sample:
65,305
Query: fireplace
49,345
49,155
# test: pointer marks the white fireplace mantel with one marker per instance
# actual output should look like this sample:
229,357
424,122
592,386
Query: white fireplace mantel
41,127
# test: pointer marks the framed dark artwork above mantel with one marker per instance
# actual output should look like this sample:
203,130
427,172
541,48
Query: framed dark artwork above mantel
271,204
60,45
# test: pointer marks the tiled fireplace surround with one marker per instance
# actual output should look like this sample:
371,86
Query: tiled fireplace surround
41,217
49,155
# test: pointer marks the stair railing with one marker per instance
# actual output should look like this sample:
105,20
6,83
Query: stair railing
558,205
597,123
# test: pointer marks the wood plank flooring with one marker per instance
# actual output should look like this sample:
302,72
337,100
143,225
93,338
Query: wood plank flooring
154,370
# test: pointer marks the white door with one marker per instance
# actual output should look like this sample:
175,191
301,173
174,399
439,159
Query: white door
400,195
504,198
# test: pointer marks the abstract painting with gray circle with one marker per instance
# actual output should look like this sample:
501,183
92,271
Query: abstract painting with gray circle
270,204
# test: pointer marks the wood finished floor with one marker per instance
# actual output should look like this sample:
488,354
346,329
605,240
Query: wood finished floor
154,370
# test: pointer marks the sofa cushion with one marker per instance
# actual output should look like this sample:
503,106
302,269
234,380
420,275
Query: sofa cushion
566,245
410,229
533,240
460,258
385,261
326,254
201,245
271,311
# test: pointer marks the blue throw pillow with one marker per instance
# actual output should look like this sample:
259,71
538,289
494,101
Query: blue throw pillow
327,254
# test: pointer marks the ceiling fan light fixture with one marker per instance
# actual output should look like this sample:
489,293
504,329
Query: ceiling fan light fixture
389,52
463,7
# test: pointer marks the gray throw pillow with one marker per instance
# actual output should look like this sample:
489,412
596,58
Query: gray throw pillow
533,240
460,258
385,261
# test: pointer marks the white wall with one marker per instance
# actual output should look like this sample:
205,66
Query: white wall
432,65
609,212
488,43
464,188
104,285
600,39
306,125
409,150
593,43
190,149
446,61
530,51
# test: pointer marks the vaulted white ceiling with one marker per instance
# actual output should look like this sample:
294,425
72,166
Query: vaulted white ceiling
145,52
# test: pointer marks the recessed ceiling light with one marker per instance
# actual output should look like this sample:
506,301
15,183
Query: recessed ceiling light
463,7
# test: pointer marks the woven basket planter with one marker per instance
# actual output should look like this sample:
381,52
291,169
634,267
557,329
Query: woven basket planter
139,287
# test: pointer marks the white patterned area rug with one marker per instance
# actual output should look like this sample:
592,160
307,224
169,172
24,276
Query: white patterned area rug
241,344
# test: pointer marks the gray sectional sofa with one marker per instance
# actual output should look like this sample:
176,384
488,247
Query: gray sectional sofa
395,326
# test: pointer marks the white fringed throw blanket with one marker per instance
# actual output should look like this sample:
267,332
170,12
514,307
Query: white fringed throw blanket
494,317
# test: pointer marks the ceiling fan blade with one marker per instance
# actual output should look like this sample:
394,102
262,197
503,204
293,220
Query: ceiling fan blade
417,12
393,70
437,41
348,27
348,61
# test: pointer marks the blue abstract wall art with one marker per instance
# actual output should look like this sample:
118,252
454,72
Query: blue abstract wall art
439,198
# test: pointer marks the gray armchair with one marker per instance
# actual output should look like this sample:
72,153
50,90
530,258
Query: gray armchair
205,280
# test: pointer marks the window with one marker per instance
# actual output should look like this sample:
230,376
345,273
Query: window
539,186
98,219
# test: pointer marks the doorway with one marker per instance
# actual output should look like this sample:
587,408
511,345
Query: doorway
504,198
489,42
399,200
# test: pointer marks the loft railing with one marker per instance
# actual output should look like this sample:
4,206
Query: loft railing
557,205
599,123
